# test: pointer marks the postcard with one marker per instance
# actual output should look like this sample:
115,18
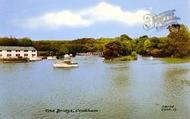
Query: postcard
94,59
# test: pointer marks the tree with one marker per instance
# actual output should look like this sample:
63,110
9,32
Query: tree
25,42
5,41
124,37
179,42
63,50
127,47
147,45
117,48
112,49
140,45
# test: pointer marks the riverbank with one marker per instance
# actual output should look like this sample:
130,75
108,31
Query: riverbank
175,60
15,60
167,60
125,58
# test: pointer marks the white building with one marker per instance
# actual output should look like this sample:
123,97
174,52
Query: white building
7,52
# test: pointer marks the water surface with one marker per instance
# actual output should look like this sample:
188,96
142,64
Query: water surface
118,90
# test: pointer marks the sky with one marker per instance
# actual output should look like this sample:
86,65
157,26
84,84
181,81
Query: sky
72,19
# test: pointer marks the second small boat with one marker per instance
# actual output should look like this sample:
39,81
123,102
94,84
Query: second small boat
65,63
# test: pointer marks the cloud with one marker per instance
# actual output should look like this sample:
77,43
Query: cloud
58,19
102,12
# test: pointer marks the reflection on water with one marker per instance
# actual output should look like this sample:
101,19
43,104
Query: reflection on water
118,90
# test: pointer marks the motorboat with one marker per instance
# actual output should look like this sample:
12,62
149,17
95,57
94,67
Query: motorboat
35,59
51,58
65,63
151,58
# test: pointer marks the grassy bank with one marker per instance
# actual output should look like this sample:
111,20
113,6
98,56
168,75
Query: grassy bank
176,60
125,58
14,60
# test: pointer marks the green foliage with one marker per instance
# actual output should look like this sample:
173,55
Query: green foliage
176,44
118,48
63,50
139,48
134,54
124,37
176,60
124,58
104,40
25,42
112,49
147,45
5,41
179,43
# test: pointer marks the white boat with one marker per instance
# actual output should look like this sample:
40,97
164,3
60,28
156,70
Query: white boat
71,55
66,63
51,58
35,59
151,58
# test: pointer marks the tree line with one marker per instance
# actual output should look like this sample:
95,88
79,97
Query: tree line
175,44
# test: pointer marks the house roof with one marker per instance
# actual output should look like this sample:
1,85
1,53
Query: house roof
16,48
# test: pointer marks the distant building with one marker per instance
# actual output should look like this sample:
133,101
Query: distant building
7,52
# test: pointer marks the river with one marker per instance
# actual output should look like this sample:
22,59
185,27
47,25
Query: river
142,89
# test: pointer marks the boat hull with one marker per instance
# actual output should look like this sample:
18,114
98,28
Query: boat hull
51,58
63,65
35,59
